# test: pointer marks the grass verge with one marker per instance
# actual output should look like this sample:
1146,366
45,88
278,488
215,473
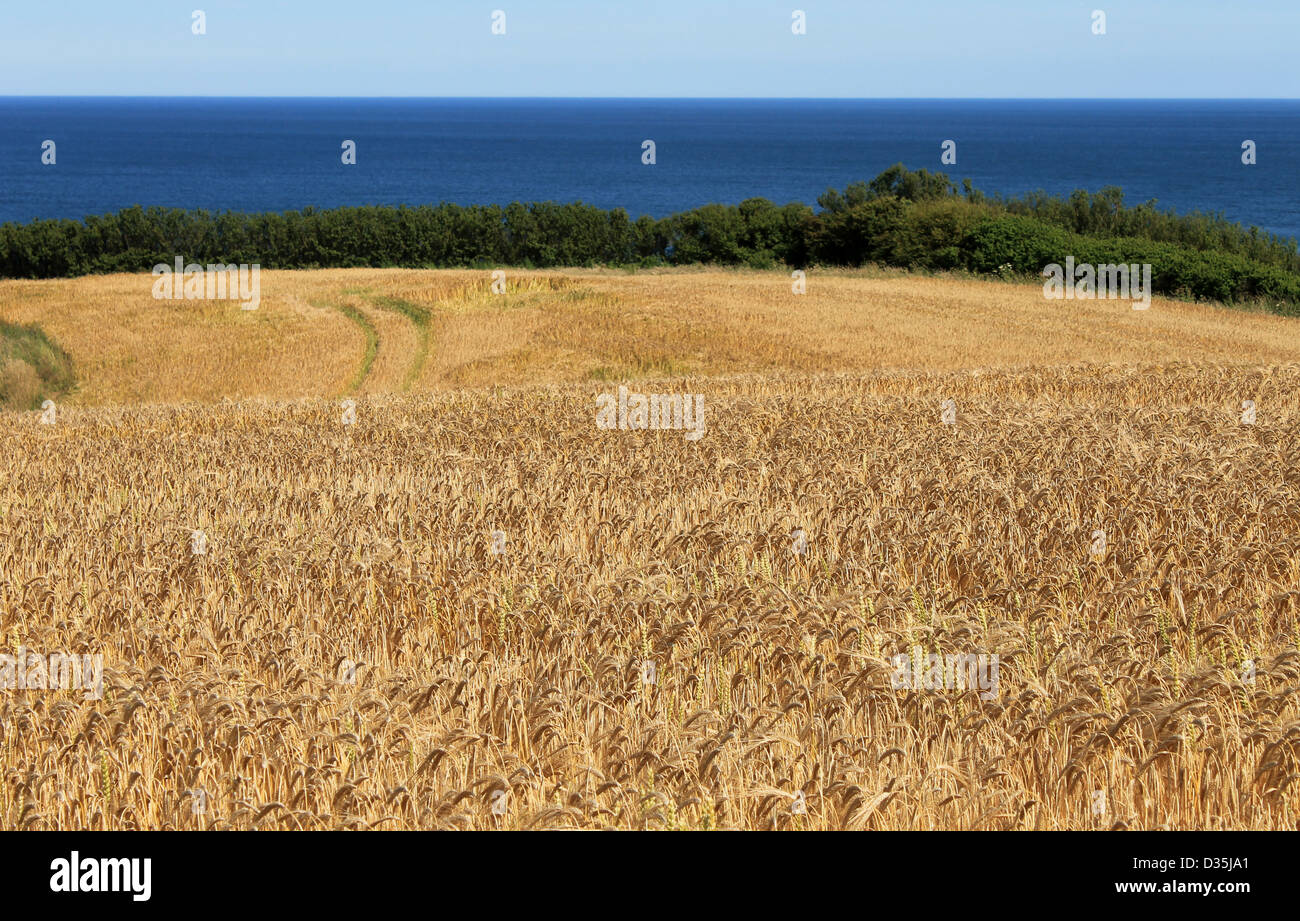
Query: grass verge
33,367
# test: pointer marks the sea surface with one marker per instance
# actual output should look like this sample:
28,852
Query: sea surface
268,154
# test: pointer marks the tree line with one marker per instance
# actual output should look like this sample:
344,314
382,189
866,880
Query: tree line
913,219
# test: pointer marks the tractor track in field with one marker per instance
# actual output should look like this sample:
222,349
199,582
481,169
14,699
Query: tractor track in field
371,348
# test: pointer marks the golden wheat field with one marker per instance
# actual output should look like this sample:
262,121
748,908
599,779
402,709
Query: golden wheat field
473,608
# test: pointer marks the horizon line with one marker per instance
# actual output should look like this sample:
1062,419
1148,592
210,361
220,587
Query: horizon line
680,98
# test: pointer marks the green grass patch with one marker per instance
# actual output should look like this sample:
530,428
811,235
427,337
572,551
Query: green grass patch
33,367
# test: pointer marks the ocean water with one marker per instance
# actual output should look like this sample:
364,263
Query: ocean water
283,154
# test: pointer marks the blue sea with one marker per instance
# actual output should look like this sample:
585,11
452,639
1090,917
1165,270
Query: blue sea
282,154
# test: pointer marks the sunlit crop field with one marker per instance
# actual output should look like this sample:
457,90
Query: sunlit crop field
471,607
348,332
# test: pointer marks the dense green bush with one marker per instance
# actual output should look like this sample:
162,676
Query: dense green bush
932,233
1028,244
914,219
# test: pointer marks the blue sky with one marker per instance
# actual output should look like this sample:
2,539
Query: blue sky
656,48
